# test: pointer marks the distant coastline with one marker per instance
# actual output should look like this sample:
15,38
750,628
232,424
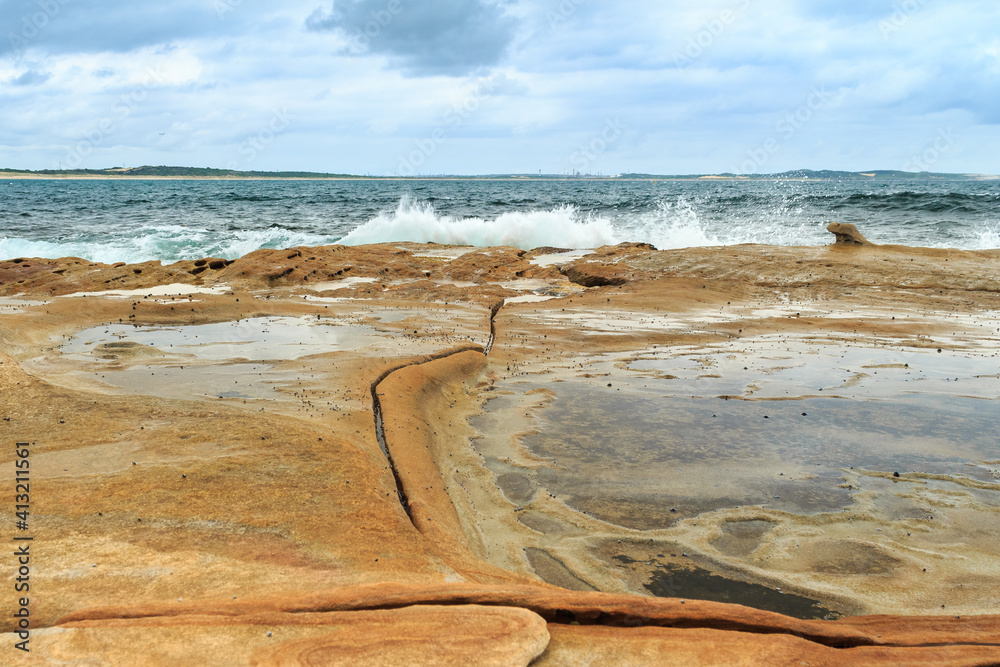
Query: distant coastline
204,173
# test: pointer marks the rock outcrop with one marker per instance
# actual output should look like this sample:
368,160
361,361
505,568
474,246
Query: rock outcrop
847,234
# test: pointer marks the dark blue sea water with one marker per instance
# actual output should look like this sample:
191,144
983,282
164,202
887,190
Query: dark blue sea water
138,220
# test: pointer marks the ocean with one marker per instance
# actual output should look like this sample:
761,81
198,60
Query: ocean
171,220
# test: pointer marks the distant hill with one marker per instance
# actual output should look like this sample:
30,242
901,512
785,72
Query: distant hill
174,172
207,172
828,175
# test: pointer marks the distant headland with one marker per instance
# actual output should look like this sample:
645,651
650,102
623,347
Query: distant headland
208,173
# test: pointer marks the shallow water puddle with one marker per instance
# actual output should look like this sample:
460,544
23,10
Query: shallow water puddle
229,381
9,305
666,431
674,581
776,368
343,283
643,461
393,316
557,259
175,289
805,459
261,338
603,324
528,298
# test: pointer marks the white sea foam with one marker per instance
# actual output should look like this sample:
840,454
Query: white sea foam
670,225
989,237
243,242
420,223
17,247
166,243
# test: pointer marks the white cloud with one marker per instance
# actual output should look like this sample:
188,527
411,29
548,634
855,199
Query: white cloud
558,69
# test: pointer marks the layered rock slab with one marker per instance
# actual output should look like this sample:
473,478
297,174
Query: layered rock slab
420,635
447,624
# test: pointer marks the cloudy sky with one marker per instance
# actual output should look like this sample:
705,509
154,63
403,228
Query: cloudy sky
492,86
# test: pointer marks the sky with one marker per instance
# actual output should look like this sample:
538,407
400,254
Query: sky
427,87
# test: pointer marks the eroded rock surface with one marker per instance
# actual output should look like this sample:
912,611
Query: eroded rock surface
211,486
847,234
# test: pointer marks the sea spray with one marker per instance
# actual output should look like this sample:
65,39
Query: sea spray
418,222
672,224
988,237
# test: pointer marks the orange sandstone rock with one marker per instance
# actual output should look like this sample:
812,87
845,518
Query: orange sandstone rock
297,516
847,234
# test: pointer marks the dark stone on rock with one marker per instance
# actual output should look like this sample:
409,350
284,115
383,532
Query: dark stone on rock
593,275
549,250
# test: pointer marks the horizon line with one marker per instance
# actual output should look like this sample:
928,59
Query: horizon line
217,173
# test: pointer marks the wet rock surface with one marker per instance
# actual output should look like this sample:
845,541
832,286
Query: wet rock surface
206,450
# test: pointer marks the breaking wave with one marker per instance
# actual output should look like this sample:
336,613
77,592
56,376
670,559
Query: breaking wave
418,222
182,220
167,244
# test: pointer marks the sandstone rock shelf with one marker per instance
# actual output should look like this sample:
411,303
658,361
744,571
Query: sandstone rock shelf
227,497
